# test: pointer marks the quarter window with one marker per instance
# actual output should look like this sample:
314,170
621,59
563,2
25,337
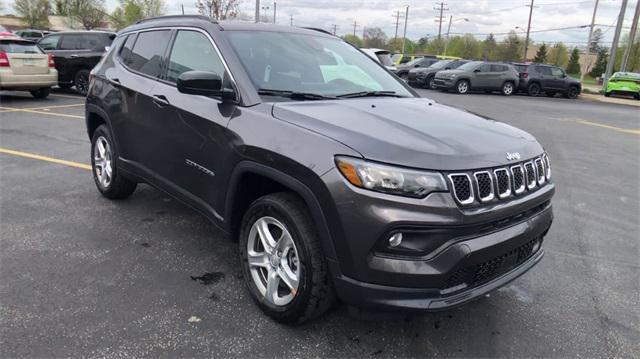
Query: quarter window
146,55
498,68
193,51
125,51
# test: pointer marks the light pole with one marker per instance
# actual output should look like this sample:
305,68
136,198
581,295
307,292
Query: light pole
404,36
614,45
446,44
593,20
257,11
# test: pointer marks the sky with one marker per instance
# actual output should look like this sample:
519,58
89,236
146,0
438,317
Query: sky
484,16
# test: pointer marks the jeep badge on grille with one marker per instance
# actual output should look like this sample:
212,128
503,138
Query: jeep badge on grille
513,156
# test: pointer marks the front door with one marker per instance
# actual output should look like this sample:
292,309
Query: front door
192,128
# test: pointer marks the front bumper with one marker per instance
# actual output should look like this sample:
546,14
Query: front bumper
441,83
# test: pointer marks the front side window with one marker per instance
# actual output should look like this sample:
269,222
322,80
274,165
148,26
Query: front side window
193,51
440,64
485,68
310,64
543,70
49,42
470,66
146,55
557,72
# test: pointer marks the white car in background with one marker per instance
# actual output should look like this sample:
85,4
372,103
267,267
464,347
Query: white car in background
382,56
25,67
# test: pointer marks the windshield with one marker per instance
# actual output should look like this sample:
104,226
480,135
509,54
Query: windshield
414,61
309,64
440,64
470,66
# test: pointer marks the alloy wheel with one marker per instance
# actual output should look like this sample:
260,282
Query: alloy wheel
463,87
507,89
102,162
432,83
273,261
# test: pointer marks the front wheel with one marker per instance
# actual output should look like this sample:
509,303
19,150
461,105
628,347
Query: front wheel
533,90
462,86
431,82
282,260
572,92
81,82
110,182
41,93
508,88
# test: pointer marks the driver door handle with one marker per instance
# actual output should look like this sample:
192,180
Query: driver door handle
160,100
74,56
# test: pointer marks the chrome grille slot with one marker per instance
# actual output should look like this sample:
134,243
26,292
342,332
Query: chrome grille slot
540,171
530,175
503,182
547,166
462,189
518,179
484,185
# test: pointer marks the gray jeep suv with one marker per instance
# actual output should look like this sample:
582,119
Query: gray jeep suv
479,75
334,177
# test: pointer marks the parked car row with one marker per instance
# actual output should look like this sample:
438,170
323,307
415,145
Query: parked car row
463,76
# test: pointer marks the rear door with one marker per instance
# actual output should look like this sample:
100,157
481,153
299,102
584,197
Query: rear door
499,74
546,79
557,78
192,128
25,57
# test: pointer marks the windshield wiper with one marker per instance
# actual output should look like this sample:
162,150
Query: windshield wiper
294,95
370,94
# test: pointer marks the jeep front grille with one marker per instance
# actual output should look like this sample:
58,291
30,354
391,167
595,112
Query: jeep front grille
502,183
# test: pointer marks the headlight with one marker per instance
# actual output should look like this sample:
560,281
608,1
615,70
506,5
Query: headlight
453,76
390,179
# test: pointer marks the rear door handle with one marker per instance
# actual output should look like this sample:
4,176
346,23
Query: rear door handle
73,56
160,100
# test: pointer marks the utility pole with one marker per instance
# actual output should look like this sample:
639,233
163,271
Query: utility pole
632,37
404,35
355,26
257,11
526,40
614,45
274,11
182,5
397,23
290,20
593,20
446,44
335,28
439,20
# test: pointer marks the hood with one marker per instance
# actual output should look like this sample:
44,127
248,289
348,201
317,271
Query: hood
413,132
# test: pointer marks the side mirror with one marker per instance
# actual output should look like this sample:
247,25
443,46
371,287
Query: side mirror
476,70
203,83
447,68
107,48
416,65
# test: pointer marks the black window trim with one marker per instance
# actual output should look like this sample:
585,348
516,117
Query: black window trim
174,30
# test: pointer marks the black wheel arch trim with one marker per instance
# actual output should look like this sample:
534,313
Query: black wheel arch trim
329,236
92,109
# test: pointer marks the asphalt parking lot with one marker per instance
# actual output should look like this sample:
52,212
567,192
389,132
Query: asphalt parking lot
84,276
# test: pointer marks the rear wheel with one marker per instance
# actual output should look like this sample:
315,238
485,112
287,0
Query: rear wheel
41,93
508,88
282,260
462,86
431,82
110,182
572,92
81,82
533,89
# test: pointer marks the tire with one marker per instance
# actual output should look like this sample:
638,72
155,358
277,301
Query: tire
81,81
607,94
283,213
508,88
462,87
637,96
404,76
533,90
572,92
41,93
431,82
103,162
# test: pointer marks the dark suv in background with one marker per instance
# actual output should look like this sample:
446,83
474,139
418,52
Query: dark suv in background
423,77
479,75
334,177
403,69
75,54
536,79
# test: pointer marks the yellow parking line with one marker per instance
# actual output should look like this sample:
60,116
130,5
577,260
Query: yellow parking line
619,129
10,109
45,158
65,96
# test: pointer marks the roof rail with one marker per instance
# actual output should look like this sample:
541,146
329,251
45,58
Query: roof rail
168,17
319,30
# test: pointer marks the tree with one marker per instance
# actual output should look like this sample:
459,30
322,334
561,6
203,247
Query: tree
601,63
559,55
489,49
395,44
218,9
435,46
131,11
465,46
541,54
89,13
510,49
574,62
61,7
596,37
422,44
353,40
34,13
374,37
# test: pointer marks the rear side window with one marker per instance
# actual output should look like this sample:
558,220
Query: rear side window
80,42
544,70
49,42
146,55
19,47
498,68
193,51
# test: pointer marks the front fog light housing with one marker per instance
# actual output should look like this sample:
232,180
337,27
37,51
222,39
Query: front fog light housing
395,240
390,179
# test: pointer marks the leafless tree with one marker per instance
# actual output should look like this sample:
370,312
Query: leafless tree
33,12
218,9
